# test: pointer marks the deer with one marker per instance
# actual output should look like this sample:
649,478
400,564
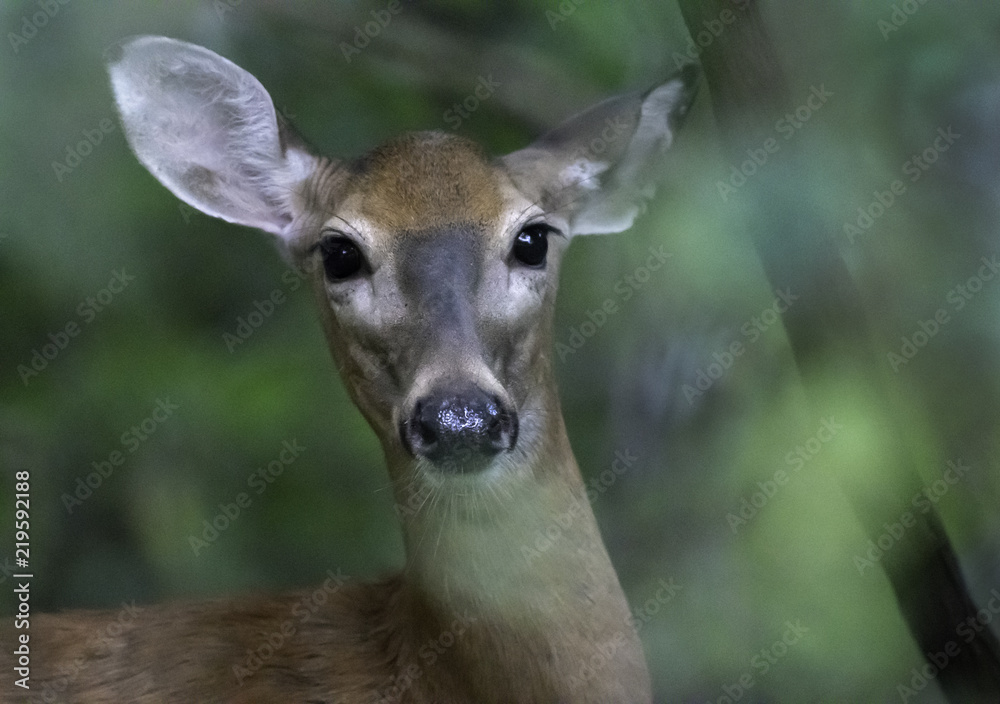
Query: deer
435,268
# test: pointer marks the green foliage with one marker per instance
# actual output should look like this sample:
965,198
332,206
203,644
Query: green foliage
64,232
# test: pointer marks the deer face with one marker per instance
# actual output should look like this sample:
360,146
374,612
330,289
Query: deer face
436,277
435,267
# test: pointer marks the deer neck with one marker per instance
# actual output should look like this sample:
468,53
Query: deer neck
519,567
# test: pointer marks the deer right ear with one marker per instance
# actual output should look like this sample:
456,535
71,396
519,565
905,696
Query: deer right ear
598,168
208,131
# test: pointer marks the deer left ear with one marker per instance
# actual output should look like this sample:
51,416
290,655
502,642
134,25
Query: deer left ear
209,132
598,168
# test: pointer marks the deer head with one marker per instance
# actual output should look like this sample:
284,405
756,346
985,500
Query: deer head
434,265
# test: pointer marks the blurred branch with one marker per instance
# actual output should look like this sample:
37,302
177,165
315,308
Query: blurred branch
532,88
829,334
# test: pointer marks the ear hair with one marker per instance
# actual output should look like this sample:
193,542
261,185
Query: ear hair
600,167
208,131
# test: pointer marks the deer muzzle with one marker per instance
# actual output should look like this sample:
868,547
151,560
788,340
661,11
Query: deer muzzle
459,431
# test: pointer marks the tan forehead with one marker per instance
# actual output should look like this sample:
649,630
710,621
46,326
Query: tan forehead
424,180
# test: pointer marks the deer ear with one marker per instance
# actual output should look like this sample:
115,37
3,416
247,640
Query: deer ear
209,132
598,168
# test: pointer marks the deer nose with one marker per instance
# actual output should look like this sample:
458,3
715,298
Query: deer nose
459,432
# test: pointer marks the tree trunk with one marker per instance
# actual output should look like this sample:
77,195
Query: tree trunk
829,335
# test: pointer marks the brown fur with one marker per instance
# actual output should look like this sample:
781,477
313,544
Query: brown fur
476,617
486,611
423,180
194,652
471,619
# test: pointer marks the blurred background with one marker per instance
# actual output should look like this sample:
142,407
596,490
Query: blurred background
119,306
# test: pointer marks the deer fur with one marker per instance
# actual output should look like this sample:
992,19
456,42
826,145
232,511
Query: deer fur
481,612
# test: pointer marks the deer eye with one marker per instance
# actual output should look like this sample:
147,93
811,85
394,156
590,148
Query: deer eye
341,257
532,244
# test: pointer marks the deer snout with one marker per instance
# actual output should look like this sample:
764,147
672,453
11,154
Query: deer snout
459,431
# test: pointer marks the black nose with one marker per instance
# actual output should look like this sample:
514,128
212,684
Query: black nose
459,431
